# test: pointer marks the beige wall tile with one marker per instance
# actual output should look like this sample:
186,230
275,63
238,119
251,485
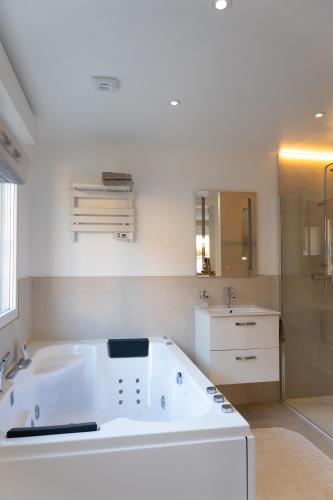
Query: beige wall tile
252,393
86,308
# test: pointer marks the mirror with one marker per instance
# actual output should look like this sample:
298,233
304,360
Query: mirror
226,233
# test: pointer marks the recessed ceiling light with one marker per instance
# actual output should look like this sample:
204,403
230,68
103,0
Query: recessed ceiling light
319,115
222,4
174,102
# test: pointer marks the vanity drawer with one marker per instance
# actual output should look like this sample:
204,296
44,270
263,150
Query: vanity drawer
244,366
244,332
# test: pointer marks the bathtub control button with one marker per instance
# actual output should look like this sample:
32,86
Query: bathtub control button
179,378
211,390
218,398
227,408
37,412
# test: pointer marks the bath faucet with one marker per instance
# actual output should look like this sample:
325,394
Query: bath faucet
3,363
228,296
24,354
23,363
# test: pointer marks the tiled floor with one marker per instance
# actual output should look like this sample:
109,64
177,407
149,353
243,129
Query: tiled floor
317,409
277,414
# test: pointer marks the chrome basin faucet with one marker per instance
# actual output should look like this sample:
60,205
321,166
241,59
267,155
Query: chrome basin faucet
228,295
3,363
22,364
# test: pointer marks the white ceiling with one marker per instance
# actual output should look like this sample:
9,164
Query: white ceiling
252,76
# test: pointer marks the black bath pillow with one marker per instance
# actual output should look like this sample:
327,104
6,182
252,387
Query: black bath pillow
128,348
49,430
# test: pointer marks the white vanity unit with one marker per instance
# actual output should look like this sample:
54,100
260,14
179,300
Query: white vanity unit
237,345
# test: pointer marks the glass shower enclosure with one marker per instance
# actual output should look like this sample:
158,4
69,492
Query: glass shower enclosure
306,207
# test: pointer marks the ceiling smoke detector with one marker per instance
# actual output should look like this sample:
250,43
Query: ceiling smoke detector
105,83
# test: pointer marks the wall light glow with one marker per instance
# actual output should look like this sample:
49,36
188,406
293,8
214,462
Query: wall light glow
305,155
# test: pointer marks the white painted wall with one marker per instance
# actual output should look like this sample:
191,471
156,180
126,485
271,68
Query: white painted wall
165,181
23,231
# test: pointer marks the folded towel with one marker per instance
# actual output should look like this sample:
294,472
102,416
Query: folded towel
119,185
118,176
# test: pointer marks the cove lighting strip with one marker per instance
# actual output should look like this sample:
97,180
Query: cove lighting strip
305,155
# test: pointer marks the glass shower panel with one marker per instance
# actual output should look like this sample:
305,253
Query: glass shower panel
326,326
307,291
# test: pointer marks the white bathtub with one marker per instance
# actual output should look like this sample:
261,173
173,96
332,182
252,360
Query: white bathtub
157,439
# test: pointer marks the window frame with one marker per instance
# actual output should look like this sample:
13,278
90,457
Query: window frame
11,314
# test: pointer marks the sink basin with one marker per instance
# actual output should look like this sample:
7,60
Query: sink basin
240,310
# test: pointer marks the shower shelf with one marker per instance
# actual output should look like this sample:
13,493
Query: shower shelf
102,209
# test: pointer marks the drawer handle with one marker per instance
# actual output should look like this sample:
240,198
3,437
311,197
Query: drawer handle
244,358
246,323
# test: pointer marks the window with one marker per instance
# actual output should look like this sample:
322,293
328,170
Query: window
8,286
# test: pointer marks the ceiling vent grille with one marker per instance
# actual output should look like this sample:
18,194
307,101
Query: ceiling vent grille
105,84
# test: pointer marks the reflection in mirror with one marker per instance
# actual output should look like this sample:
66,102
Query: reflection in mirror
207,231
225,233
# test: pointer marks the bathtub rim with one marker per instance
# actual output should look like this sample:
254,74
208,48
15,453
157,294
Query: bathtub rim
124,432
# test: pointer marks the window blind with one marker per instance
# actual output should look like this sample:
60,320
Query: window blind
13,159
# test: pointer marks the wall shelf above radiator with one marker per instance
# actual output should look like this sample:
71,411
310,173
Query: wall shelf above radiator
102,209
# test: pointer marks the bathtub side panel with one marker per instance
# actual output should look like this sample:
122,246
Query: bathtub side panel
251,467
193,471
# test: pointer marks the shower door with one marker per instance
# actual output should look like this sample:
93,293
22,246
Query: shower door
307,290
